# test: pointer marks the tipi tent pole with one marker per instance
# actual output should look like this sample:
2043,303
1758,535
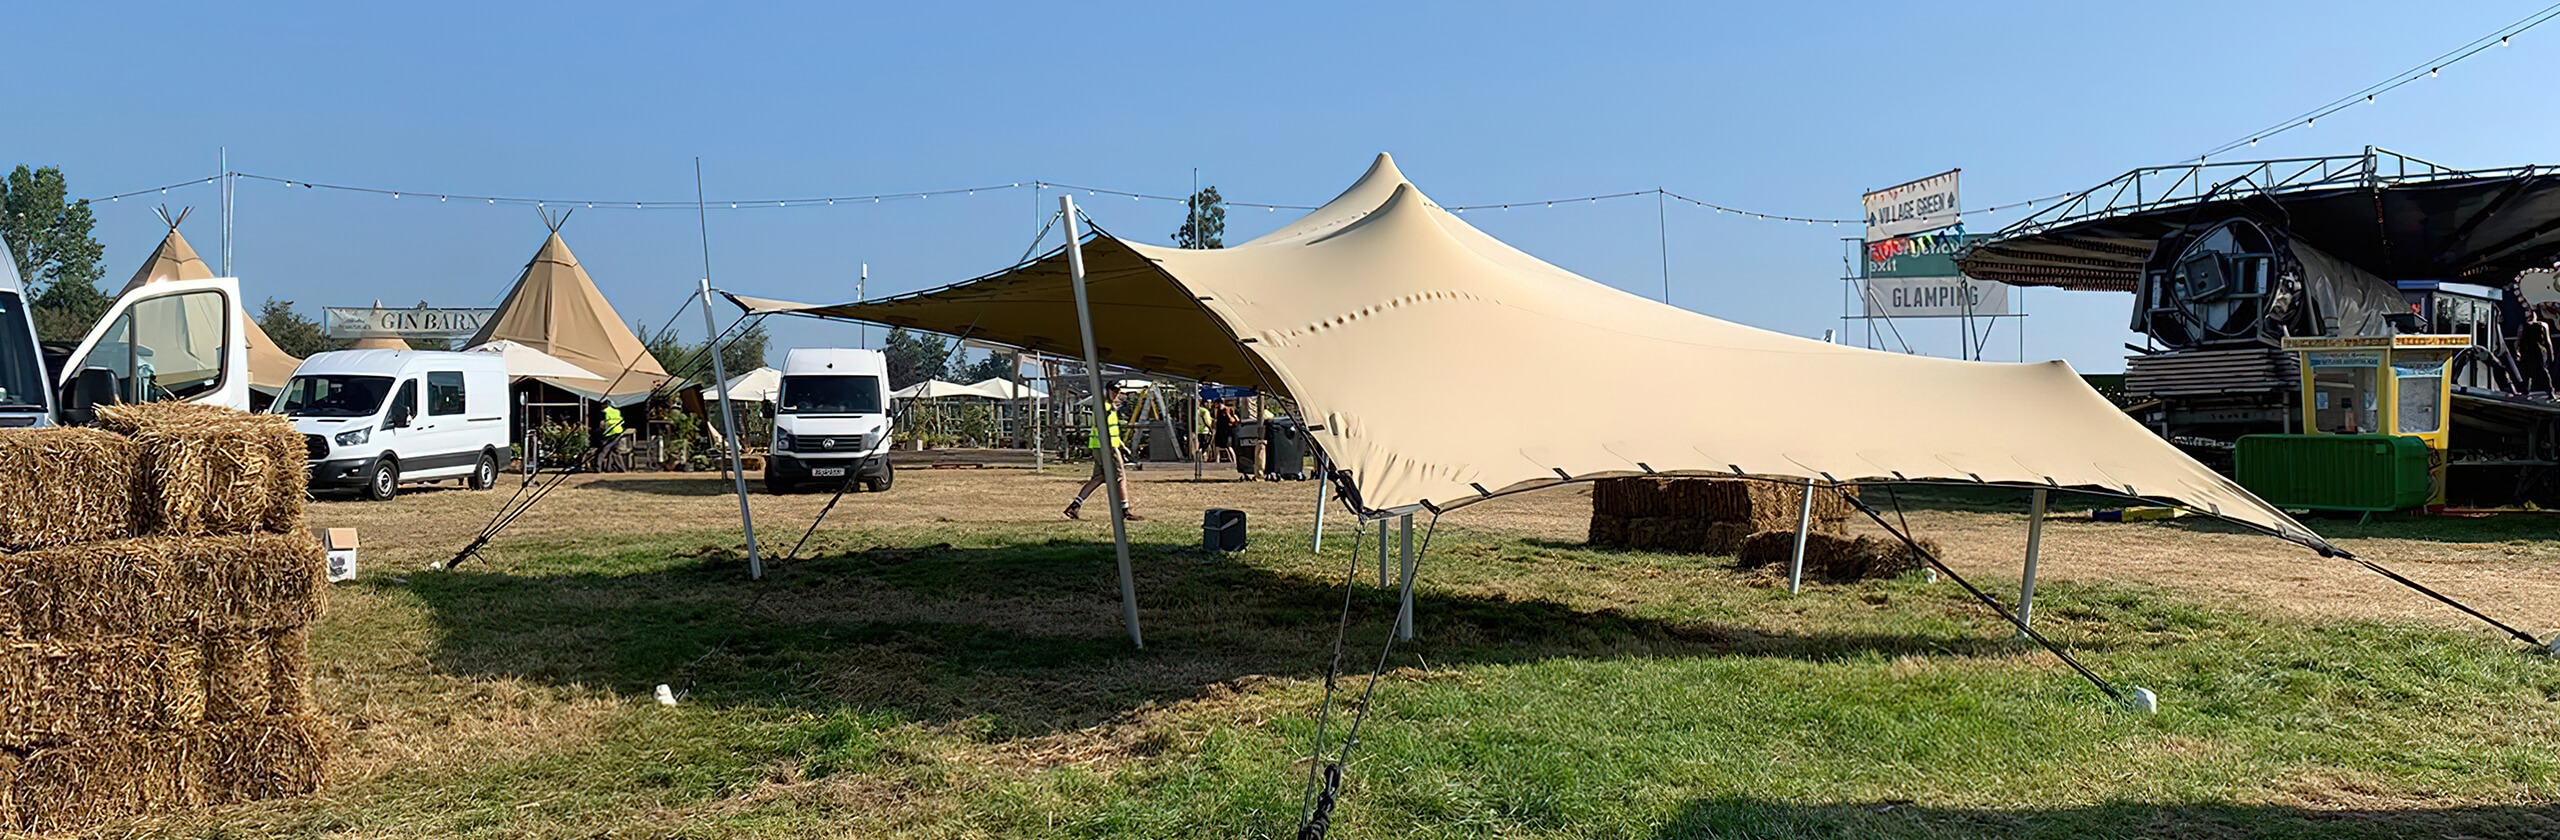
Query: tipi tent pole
1404,613
2027,580
1101,422
1804,528
729,430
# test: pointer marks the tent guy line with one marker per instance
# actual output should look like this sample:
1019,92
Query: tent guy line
911,195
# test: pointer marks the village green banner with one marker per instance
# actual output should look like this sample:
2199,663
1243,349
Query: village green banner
1925,204
415,322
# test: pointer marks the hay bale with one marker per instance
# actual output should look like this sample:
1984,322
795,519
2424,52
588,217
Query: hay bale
53,691
102,779
1608,530
260,758
206,470
289,671
1833,558
92,590
63,486
259,581
234,678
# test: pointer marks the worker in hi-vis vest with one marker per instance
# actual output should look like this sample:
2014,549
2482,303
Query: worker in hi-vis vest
1110,408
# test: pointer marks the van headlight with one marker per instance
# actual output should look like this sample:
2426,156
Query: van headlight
781,441
355,437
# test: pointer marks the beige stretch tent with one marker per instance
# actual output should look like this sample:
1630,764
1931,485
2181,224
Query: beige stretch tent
269,367
1439,366
557,309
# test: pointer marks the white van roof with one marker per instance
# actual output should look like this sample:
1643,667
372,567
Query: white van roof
834,361
396,362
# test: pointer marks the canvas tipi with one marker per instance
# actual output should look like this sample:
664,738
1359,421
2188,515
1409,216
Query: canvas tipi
269,367
557,309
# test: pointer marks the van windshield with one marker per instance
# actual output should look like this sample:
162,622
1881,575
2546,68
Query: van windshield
333,395
830,395
22,375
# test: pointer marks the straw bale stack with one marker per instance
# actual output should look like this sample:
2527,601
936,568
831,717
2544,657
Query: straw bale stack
1832,557
43,510
207,470
1707,515
156,594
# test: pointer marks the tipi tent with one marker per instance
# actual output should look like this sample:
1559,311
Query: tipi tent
557,309
269,367
1430,360
380,342
525,361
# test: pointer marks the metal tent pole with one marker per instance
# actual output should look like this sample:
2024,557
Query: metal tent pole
1321,471
729,429
1382,552
1404,613
2027,580
1804,528
1101,422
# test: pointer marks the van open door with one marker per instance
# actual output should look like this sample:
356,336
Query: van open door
172,340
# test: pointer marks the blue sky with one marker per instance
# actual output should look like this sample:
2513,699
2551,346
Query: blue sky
1788,108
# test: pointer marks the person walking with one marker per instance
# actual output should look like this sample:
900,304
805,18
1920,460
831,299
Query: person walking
1110,407
1222,431
2533,353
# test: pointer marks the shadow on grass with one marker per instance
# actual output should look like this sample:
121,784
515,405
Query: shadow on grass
680,484
1024,636
1751,819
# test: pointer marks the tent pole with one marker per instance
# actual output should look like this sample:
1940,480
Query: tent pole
1382,552
1040,416
1101,422
2027,580
1320,482
1404,613
729,430
1804,528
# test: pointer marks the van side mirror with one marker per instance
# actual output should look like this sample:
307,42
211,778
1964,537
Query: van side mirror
80,400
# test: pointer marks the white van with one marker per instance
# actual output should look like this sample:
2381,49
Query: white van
26,394
375,418
830,422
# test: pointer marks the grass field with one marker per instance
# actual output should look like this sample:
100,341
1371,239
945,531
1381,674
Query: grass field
915,677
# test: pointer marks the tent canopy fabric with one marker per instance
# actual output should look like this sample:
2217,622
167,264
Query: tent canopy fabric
934,389
557,309
523,361
763,384
269,367
1001,388
1438,366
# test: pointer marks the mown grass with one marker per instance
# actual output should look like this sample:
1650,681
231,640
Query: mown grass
940,682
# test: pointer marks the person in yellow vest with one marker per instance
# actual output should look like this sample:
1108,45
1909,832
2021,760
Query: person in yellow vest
1102,449
617,441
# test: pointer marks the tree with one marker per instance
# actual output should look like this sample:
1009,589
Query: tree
915,357
741,353
1005,366
297,336
57,255
1204,221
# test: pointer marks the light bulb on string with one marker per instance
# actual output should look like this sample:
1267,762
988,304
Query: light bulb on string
2431,73
2502,40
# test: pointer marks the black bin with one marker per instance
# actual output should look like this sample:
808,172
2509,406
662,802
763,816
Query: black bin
1222,529
1288,443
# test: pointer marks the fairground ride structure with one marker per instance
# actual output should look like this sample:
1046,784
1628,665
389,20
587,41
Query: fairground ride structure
2301,308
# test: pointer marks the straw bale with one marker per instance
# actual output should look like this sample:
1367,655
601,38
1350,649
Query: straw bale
96,780
1834,558
234,675
289,671
180,678
62,486
94,589
260,758
250,581
1762,504
206,470
55,691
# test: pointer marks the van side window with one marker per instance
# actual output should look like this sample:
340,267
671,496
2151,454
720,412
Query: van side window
444,392
403,407
165,348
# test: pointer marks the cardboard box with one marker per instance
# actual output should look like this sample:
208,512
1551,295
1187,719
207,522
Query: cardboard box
340,543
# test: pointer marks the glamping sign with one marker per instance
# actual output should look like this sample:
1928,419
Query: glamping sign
1934,297
416,322
1925,204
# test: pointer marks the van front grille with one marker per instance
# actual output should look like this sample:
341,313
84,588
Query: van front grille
318,446
827,443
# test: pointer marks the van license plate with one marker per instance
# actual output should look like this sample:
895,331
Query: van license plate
827,472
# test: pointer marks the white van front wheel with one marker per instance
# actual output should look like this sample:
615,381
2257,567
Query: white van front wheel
485,475
385,481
